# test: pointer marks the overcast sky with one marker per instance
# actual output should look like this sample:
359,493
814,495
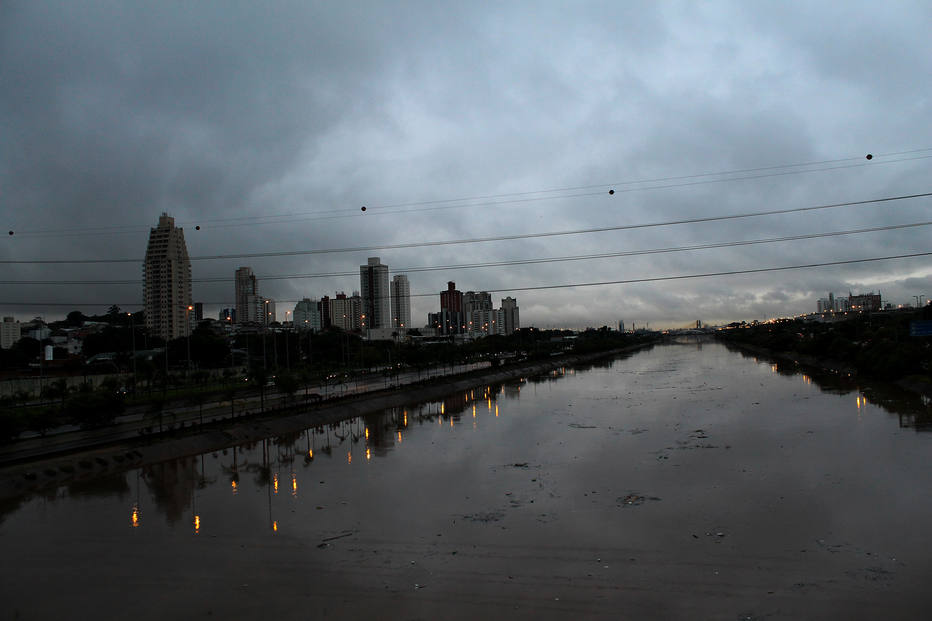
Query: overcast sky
270,124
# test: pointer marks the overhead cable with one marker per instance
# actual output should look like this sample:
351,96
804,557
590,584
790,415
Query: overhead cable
475,240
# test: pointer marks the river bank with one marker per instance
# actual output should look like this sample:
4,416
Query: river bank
916,385
109,455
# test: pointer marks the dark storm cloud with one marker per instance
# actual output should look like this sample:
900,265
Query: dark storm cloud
114,112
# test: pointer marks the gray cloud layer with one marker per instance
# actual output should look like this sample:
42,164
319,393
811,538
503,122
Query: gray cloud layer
114,112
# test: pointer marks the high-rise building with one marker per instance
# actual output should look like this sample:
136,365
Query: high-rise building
486,321
401,302
375,293
167,281
511,317
326,312
346,312
307,315
477,301
451,299
450,320
9,332
864,302
248,303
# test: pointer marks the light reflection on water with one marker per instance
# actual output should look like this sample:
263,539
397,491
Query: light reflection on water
709,442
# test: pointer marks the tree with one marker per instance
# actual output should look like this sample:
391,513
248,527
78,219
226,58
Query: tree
58,389
197,398
10,425
260,376
286,383
157,409
76,319
93,410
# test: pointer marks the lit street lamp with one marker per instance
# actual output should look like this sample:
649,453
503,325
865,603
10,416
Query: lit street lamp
132,328
187,329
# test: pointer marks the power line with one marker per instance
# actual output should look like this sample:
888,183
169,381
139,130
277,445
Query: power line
508,263
711,274
511,197
567,285
476,240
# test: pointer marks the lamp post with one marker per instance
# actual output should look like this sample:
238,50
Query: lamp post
132,328
287,343
187,329
265,321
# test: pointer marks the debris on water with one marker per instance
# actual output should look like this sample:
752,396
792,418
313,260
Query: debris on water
634,499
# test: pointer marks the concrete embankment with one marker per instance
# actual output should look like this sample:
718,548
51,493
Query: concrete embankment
115,454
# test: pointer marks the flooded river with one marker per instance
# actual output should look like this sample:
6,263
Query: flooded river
686,481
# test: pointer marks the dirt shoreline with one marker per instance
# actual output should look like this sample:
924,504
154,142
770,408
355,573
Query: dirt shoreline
112,457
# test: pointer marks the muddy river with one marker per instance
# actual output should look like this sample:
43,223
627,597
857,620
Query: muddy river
685,481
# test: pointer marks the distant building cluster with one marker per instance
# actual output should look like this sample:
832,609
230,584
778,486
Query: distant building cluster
70,340
867,302
471,313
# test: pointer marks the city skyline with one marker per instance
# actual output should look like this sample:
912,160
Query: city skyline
526,170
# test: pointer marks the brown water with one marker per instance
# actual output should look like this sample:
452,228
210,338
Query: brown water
683,482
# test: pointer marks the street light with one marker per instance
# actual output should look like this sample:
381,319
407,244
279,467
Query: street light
187,329
132,328
287,343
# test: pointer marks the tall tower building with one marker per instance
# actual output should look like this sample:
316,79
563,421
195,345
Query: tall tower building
450,318
376,297
248,302
167,281
401,302
511,317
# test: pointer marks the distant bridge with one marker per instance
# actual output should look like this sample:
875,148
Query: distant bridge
689,334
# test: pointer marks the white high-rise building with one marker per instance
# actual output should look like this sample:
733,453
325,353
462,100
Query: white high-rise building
9,332
401,302
346,312
167,281
375,293
486,321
